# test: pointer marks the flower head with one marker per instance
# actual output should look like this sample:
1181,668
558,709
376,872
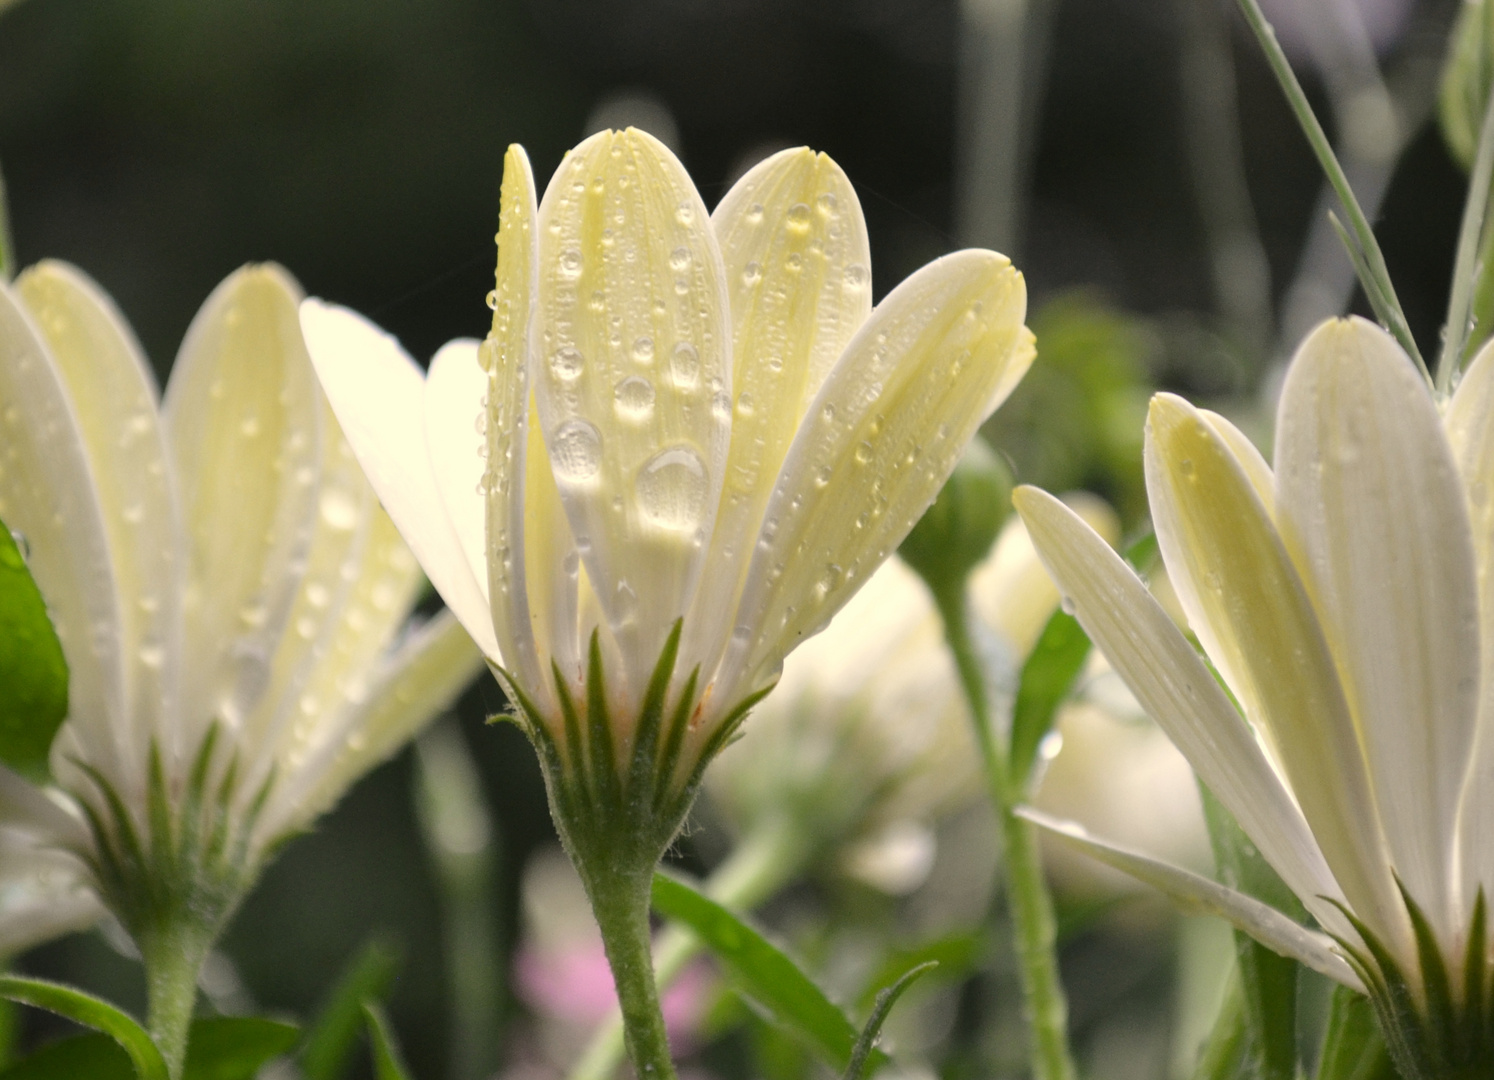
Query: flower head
696,438
1346,600
226,589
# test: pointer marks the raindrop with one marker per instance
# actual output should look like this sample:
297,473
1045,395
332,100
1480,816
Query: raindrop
855,276
685,214
795,262
822,477
576,451
672,489
828,413
752,274
492,299
826,204
721,406
744,404
684,366
643,350
679,258
755,213
1068,605
570,262
634,397
798,217
598,301
864,453
152,656
566,363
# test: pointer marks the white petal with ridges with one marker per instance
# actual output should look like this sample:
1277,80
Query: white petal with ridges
243,422
117,403
48,494
629,275
456,436
798,269
1247,605
875,447
1372,509
1180,693
378,394
1200,896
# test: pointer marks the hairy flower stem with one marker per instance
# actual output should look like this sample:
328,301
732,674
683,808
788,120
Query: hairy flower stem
1046,1006
173,953
620,901
769,856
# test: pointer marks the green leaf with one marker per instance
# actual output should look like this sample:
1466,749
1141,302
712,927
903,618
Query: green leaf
1268,980
1226,1053
886,999
1047,678
236,1047
957,955
33,672
1353,1048
93,1012
327,1052
389,1064
764,972
96,1057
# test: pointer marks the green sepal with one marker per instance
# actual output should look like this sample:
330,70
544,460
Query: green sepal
764,972
327,1051
33,670
958,529
1353,1048
388,1062
866,1042
83,1008
1048,676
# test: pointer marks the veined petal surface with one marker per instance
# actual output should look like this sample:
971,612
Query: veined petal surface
242,417
378,394
1246,603
48,494
798,269
1470,432
116,400
631,292
455,436
1359,444
875,447
1180,693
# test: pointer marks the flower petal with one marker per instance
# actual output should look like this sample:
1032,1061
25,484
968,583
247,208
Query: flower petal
632,347
1177,691
411,688
1247,457
242,418
1200,896
1470,431
378,395
1247,605
48,494
1372,509
455,436
797,260
876,446
116,400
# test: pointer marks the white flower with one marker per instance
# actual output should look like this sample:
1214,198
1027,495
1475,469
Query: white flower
226,589
695,425
1347,602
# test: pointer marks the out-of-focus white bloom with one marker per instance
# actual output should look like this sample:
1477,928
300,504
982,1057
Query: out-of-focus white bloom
227,591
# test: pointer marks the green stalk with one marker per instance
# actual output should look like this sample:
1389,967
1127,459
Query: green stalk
1364,249
1466,269
620,902
770,856
173,954
1036,930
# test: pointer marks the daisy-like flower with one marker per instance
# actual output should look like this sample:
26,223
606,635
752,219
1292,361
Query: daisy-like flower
685,444
1346,600
227,592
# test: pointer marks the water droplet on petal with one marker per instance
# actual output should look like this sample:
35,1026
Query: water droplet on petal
567,362
634,397
754,213
672,489
570,262
576,451
855,276
679,258
798,217
643,351
684,366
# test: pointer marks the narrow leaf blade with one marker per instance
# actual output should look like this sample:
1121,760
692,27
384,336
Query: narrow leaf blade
33,672
91,1012
1047,678
764,972
327,1052
886,999
1352,1046
389,1063
97,1057
236,1047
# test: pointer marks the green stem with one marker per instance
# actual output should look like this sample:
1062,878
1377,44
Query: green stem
1026,890
173,957
621,904
770,856
1466,269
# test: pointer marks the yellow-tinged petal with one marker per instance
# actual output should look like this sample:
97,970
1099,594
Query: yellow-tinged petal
455,438
1470,431
798,269
409,690
876,446
243,422
632,349
1246,603
48,495
521,620
378,394
1197,894
1180,693
1372,509
1247,457
115,398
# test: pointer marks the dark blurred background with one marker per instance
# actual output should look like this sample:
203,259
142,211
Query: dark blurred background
158,144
